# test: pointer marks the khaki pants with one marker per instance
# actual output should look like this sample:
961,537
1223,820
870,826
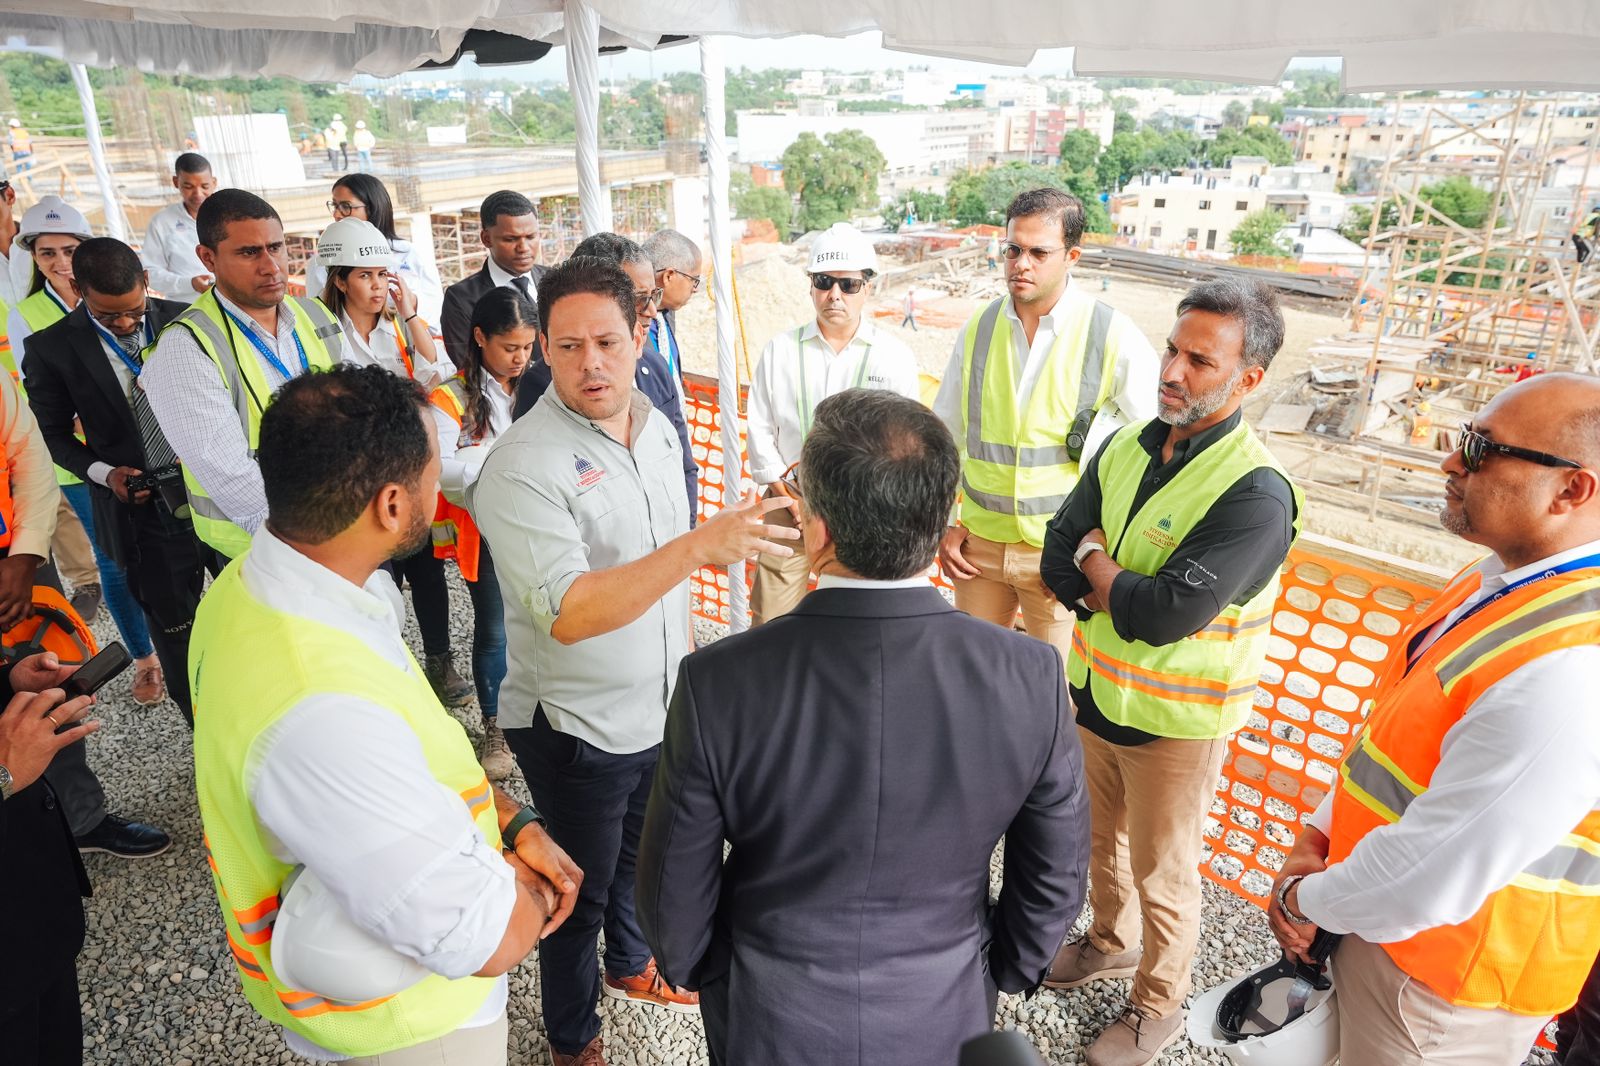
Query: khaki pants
1010,580
780,584
1388,1018
484,1045
1147,808
70,545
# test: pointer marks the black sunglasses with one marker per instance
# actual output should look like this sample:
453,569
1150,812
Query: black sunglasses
1475,447
848,286
644,298
789,483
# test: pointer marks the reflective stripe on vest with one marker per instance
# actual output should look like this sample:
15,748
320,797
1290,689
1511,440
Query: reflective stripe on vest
454,534
1200,687
249,665
40,311
1530,945
1018,471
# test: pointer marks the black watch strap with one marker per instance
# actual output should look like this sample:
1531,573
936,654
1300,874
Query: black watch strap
508,835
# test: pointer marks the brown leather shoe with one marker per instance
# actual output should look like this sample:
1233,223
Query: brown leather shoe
149,685
593,1054
1079,962
1135,1039
648,987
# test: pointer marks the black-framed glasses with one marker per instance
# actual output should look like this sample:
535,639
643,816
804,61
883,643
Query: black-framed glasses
109,319
643,298
694,278
345,208
789,483
1038,255
1475,447
848,286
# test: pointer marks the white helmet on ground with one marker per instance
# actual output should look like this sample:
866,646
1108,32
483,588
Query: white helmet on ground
842,247
1312,1039
52,214
354,242
317,948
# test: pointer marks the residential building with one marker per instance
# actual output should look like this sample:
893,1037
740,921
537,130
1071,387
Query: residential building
912,142
1196,211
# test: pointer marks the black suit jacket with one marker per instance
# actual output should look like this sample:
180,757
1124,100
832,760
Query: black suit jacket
862,755
455,318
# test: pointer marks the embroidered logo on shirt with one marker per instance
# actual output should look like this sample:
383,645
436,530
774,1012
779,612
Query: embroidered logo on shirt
1160,534
588,473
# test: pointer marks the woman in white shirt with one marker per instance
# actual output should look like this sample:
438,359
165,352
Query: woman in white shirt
364,197
470,411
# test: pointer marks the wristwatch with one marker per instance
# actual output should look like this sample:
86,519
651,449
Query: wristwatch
1283,899
1085,550
508,835
6,788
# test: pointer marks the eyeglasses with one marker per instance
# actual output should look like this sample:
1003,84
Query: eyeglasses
643,298
344,208
848,286
109,319
1038,255
693,278
1475,447
789,483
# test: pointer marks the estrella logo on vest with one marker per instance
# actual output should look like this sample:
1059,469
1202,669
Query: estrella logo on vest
1160,534
588,473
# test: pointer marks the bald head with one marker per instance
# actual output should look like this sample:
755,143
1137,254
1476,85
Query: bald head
1554,413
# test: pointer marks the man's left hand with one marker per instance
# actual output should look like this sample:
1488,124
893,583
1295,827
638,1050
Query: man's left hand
545,858
39,672
16,588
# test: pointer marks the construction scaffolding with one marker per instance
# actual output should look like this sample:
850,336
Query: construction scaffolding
1450,310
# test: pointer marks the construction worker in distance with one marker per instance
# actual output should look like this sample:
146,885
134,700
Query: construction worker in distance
1037,380
340,138
364,143
319,745
21,144
1459,850
214,369
170,241
1170,547
801,367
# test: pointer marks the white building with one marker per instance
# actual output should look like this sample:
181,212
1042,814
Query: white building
1020,93
912,142
1196,211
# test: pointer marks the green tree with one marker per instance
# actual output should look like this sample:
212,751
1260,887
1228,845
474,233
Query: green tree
1257,234
981,196
833,177
1124,122
928,207
1234,115
1273,110
1458,200
1079,151
1252,140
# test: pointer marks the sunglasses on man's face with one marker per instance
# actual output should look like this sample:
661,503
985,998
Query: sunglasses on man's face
848,286
789,483
1475,448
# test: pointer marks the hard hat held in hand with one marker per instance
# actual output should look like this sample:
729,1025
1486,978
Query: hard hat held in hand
842,247
52,214
317,948
354,242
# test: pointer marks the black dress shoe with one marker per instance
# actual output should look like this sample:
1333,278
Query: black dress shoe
128,840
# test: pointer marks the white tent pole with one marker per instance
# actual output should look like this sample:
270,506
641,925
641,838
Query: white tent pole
714,77
583,77
115,226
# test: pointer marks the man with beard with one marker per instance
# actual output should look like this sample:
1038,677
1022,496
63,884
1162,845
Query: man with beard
1170,546
319,744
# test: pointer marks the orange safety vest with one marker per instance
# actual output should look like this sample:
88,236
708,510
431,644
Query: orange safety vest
7,508
1531,944
455,535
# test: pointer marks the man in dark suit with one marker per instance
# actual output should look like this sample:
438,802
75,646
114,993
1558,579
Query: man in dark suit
81,373
511,234
863,755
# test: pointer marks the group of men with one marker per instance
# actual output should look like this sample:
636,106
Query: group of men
790,830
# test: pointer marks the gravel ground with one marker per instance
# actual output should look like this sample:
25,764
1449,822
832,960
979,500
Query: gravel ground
159,987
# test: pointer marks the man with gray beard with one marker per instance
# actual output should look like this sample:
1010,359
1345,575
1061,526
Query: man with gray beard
1170,545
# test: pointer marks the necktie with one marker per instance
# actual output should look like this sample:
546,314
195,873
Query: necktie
158,454
524,287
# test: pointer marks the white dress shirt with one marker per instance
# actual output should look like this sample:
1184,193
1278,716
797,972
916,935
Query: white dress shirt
169,253
1515,774
461,458
1134,380
839,581
196,412
421,276
382,348
99,471
873,360
16,271
336,769
502,278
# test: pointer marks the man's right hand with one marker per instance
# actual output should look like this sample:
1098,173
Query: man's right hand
117,482
951,561
28,739
16,588
1309,856
740,532
200,282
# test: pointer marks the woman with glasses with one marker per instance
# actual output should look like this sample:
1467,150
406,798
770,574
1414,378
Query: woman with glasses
470,411
364,197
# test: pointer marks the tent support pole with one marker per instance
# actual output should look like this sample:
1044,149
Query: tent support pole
115,226
583,76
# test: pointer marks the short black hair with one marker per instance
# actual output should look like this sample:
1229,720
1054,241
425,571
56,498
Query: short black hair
1051,203
1252,303
229,205
585,274
191,163
504,202
106,266
331,440
613,246
881,470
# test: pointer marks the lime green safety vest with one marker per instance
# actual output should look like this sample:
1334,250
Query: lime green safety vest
40,311
247,386
1018,470
248,665
1201,687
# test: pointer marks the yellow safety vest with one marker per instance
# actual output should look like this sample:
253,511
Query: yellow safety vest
247,386
40,311
1018,471
1201,687
248,665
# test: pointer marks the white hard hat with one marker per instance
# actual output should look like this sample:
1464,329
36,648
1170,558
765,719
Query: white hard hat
842,247
52,214
317,948
354,242
360,125
14,123
338,118
1312,1039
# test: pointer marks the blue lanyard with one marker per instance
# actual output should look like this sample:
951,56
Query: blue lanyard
111,342
267,353
671,352
1586,562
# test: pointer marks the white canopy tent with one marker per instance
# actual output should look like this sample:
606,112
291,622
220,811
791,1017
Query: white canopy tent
1384,45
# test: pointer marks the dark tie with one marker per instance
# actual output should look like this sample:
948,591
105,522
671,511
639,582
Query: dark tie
158,454
524,287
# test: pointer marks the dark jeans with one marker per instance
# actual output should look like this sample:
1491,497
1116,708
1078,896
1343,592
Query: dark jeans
1578,1030
488,634
43,1026
430,598
594,803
